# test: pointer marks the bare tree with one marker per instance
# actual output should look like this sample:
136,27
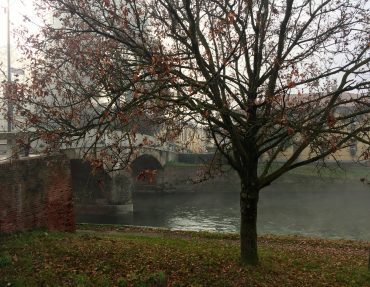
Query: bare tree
259,74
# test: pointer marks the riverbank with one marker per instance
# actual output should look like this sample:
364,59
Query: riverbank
180,177
128,256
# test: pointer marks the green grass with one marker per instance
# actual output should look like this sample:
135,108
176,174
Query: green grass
5,260
122,256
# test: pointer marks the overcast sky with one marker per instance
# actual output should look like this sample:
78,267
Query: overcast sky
18,9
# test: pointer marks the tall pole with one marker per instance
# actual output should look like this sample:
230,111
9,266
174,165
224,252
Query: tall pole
10,104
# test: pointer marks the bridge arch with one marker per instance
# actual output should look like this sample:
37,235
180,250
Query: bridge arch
145,162
98,192
88,185
146,172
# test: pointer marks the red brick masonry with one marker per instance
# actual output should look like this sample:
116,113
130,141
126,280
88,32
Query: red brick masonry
36,192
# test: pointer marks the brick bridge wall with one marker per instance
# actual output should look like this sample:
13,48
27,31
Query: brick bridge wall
36,192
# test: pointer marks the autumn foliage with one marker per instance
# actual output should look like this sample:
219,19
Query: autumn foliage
259,75
112,256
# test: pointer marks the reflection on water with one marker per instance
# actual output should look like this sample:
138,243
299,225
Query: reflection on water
324,209
201,211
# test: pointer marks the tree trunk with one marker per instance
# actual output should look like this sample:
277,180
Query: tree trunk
248,225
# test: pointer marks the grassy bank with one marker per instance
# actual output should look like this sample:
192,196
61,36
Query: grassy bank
112,256
348,171
333,171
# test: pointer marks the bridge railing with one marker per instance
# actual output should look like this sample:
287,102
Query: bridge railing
14,145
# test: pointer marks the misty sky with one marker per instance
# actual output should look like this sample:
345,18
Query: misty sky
18,9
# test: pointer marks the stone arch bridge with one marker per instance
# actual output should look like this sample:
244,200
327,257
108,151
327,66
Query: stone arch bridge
111,193
99,191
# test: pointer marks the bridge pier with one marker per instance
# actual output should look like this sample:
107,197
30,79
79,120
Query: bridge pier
121,192
99,192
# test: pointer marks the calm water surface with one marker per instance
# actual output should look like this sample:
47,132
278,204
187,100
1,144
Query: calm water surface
322,209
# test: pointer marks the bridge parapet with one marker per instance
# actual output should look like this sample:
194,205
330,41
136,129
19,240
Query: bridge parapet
163,156
11,148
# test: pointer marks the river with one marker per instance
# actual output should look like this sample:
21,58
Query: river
319,209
